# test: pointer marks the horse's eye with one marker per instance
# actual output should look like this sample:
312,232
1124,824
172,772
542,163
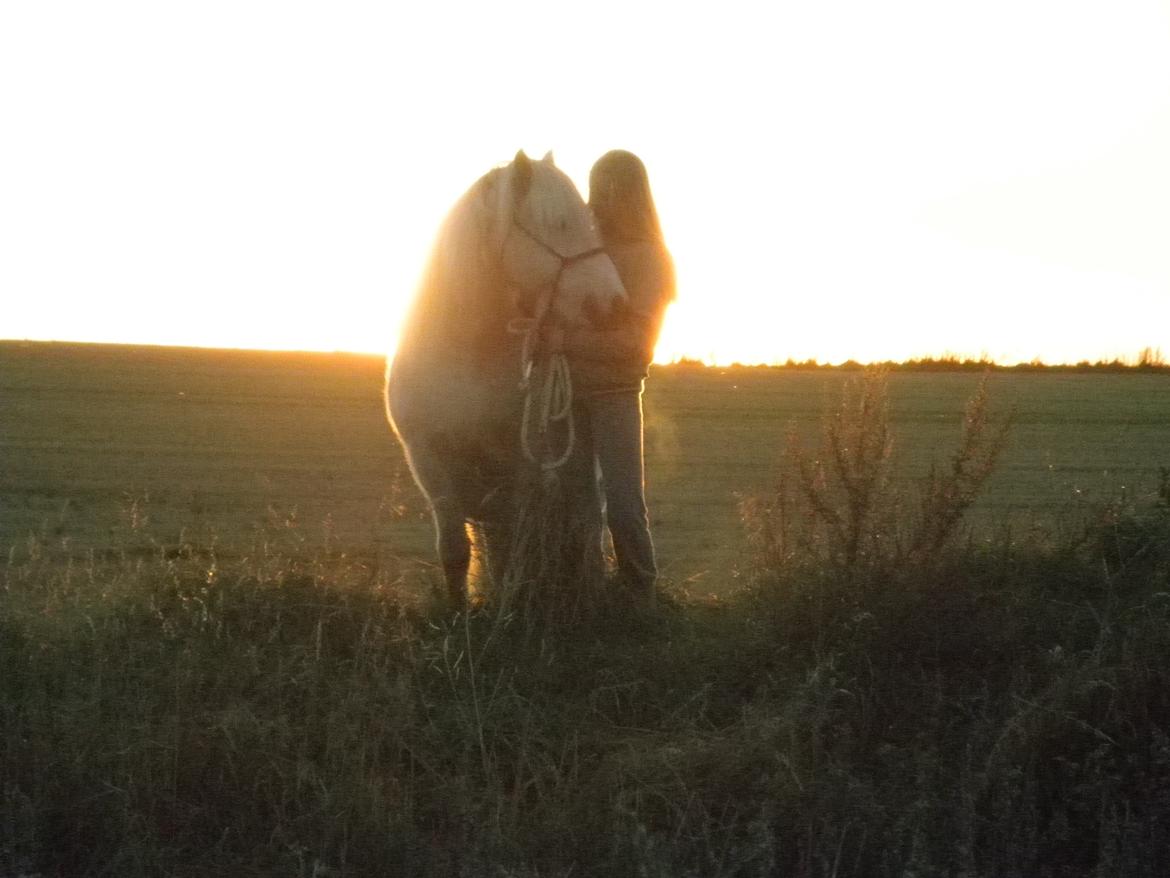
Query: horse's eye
563,225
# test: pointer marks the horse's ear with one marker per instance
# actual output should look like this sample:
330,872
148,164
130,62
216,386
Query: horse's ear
522,175
548,158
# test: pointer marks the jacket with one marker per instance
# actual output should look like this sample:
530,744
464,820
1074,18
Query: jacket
616,357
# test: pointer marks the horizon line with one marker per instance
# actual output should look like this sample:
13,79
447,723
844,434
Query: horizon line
1149,357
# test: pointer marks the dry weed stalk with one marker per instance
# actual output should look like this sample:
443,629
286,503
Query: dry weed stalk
948,494
847,483
838,508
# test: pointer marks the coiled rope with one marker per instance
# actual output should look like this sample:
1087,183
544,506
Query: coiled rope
547,401
555,395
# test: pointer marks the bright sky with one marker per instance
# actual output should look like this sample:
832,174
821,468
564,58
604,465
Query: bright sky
836,179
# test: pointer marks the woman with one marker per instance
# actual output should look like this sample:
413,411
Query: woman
608,363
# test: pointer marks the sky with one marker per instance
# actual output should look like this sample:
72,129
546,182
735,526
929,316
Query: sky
836,180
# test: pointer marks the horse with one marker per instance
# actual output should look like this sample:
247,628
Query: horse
518,251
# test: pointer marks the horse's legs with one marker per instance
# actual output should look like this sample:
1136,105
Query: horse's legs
453,546
454,550
496,539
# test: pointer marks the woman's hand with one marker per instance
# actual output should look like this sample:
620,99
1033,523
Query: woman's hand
618,313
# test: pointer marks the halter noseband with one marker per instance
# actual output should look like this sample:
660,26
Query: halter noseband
545,303
565,260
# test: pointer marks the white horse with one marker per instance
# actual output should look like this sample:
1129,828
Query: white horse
518,250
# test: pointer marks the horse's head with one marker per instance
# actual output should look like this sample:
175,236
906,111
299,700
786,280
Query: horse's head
550,250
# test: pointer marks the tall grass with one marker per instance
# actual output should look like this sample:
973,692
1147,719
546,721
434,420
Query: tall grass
888,697
547,569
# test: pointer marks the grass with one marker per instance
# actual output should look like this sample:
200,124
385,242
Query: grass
875,702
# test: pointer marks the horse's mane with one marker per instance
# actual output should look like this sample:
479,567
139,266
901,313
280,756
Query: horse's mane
457,269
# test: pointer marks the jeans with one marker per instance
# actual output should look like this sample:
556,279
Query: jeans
615,430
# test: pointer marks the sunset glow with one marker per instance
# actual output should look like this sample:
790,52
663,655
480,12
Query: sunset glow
847,182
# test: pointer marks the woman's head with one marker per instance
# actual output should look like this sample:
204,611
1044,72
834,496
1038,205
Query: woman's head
619,196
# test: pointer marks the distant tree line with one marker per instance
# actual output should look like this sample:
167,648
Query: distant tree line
1148,360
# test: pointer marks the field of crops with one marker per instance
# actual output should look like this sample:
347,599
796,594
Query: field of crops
106,445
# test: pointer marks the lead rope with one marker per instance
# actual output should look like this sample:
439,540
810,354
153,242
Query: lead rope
556,404
551,402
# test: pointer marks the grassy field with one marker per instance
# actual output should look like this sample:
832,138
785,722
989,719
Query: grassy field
195,681
100,443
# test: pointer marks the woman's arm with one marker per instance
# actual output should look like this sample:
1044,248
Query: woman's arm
629,341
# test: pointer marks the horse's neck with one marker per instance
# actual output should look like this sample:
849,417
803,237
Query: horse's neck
460,317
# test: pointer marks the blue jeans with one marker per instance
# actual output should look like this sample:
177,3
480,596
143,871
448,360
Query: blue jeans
614,427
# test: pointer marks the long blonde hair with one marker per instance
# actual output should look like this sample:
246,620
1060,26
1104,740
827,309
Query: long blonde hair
621,201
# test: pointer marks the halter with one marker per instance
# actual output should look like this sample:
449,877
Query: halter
556,391
545,303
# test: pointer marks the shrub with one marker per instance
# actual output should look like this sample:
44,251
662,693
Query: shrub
837,509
